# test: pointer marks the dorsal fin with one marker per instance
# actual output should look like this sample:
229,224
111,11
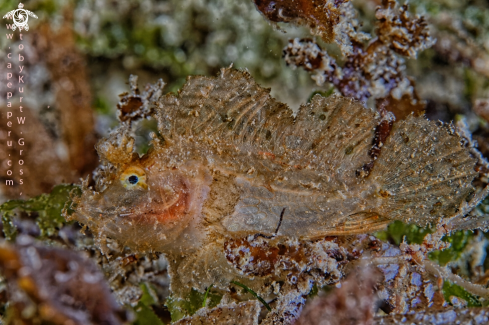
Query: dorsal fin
231,105
333,134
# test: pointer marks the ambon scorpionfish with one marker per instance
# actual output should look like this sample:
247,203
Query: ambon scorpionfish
230,161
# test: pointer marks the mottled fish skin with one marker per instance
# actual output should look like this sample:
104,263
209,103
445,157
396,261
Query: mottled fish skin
230,159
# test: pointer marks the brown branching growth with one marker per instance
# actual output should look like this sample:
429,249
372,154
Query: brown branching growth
133,106
322,15
404,34
56,286
373,71
332,20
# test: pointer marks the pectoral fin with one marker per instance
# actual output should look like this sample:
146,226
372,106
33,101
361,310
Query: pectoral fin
360,223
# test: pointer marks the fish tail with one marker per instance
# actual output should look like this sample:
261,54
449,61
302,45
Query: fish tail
423,172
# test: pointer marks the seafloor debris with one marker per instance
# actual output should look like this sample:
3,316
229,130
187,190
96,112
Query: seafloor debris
469,316
374,71
56,286
235,188
230,314
257,256
352,303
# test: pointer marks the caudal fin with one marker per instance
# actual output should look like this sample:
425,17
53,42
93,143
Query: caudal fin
423,172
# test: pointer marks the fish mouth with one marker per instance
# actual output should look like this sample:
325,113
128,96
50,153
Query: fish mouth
98,212
165,215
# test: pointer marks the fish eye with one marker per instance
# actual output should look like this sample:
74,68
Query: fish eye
133,177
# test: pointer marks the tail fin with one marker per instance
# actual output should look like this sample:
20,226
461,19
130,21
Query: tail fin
423,172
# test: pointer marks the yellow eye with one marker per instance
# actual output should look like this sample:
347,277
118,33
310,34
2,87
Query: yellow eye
133,177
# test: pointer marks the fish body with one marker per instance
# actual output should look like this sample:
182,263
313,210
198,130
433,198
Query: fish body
230,161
